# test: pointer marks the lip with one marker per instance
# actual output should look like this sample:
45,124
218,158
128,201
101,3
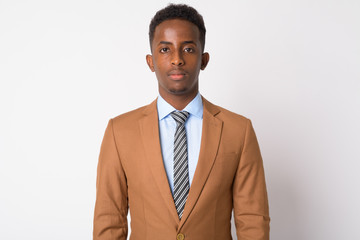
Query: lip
177,75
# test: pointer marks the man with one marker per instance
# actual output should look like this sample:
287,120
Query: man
180,164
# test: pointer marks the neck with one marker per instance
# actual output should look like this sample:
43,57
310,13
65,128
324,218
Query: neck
179,102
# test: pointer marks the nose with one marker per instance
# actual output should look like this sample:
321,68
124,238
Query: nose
177,59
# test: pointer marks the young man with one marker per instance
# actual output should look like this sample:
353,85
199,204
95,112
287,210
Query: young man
181,164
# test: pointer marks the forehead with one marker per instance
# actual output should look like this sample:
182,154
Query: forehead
175,29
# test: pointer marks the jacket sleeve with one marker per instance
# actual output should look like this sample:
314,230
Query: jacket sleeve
251,211
111,207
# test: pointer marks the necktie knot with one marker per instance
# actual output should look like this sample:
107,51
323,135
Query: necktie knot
180,117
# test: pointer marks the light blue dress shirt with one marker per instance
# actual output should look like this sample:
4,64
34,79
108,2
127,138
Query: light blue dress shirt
167,127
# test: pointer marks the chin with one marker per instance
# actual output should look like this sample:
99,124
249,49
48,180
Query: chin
178,91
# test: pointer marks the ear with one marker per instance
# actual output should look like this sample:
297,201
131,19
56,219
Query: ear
149,60
204,60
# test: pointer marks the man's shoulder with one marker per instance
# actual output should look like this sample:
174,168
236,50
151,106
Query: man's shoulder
225,114
131,115
234,125
134,115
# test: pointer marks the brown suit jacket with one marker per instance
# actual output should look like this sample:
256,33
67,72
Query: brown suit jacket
229,175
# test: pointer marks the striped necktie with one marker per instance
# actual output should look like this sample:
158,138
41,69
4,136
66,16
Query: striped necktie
181,169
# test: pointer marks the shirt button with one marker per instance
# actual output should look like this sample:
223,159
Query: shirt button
180,236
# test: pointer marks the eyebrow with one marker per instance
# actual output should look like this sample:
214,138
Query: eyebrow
169,43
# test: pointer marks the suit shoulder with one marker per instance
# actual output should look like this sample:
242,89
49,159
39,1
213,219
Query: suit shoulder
129,118
232,115
233,120
227,115
221,112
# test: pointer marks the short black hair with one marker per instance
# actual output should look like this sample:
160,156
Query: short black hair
178,11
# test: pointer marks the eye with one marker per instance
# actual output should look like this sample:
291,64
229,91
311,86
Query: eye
164,50
189,50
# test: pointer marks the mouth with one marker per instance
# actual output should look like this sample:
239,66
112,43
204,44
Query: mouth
177,75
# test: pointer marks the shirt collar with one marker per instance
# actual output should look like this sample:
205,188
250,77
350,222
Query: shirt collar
195,107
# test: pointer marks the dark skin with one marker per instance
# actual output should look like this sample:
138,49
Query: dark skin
177,59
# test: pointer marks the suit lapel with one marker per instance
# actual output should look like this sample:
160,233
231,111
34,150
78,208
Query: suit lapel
149,128
210,140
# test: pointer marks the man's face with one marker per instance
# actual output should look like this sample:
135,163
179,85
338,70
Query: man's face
177,58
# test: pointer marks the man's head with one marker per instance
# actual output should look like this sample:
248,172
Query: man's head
177,52
178,11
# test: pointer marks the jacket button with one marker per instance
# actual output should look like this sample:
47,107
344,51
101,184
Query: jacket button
180,236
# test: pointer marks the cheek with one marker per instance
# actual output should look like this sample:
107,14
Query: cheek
161,61
194,62
160,68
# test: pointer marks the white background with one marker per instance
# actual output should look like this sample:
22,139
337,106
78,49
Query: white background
291,66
